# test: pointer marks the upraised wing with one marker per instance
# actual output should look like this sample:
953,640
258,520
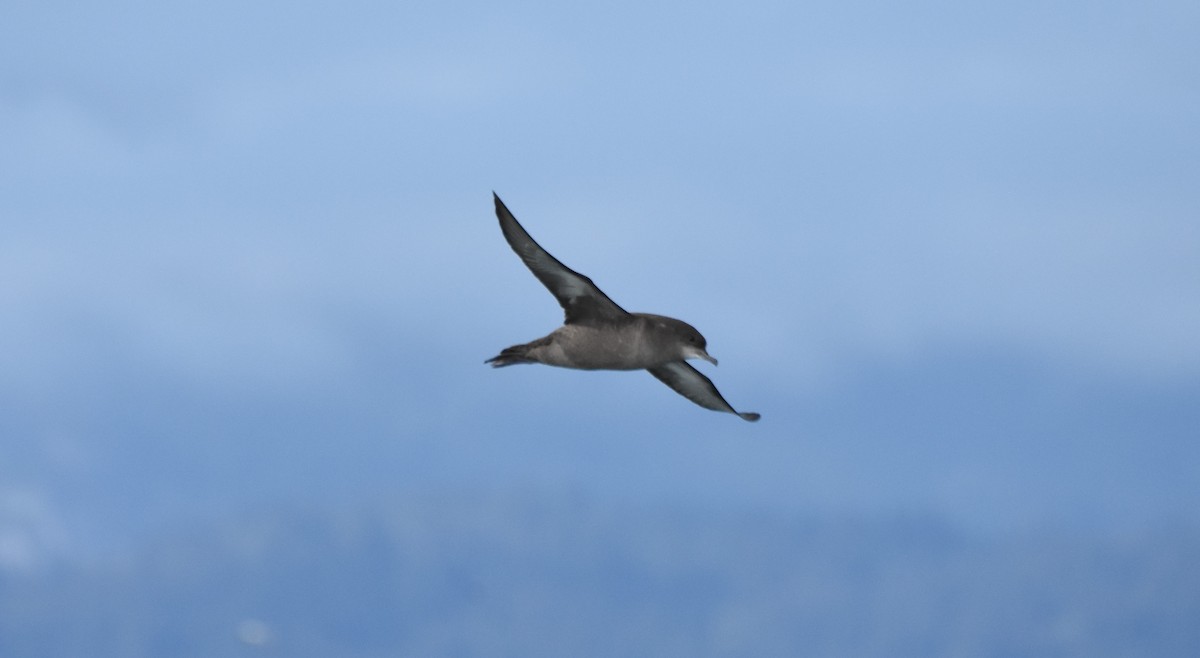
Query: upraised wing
691,384
581,300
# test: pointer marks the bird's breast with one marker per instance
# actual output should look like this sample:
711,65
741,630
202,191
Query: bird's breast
599,348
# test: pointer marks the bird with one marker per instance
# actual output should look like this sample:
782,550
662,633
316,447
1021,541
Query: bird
597,334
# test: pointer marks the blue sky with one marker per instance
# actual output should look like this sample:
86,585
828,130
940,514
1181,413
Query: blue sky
949,250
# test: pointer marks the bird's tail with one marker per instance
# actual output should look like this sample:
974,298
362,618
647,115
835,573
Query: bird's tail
511,356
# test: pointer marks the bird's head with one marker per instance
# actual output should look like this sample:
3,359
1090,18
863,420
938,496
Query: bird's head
691,343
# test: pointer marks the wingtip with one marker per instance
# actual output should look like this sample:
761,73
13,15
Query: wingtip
500,207
750,416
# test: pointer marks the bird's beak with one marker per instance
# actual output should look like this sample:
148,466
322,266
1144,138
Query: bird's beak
697,353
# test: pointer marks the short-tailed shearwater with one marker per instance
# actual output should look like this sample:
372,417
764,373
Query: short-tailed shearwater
599,335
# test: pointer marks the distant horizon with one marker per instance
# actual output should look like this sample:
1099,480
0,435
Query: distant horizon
406,577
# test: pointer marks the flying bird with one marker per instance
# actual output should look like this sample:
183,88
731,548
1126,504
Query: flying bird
597,334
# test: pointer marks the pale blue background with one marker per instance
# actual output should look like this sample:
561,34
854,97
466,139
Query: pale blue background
249,268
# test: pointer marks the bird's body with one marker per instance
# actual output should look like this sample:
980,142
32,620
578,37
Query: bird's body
597,334
638,342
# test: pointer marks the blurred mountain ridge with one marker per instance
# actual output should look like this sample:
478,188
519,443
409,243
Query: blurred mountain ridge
543,573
